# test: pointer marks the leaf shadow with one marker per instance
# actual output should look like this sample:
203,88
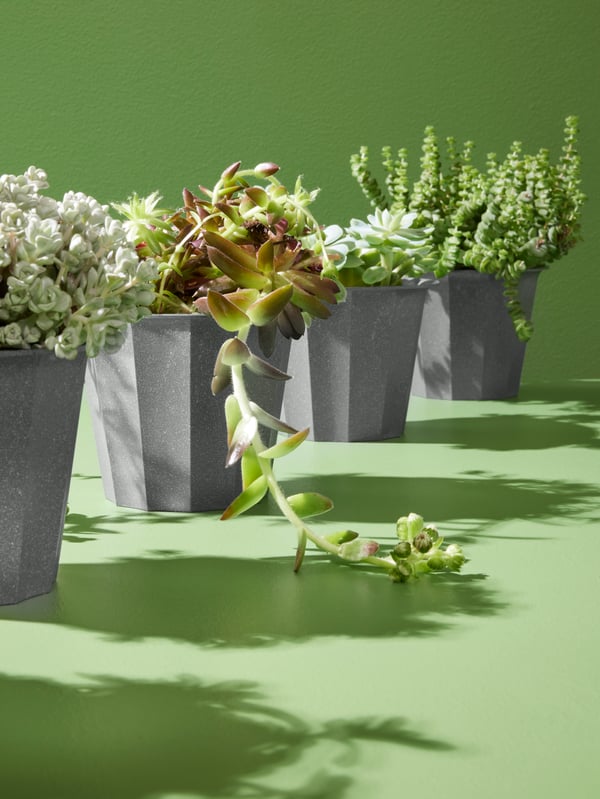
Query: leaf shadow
81,527
503,433
233,602
477,498
578,397
142,739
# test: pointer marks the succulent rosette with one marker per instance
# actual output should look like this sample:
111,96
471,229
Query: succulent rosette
379,251
68,275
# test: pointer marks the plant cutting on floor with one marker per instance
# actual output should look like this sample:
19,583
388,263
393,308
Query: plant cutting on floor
231,255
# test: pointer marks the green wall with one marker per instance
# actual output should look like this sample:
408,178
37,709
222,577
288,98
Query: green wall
141,94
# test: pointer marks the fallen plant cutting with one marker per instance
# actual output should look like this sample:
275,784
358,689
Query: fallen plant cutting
254,255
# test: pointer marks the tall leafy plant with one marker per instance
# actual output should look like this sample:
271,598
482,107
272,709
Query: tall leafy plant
517,214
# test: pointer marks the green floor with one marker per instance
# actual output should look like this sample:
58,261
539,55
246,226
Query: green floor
180,657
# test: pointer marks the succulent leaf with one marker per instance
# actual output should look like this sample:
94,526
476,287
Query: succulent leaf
265,256
342,537
241,439
247,499
286,446
265,369
272,422
234,352
225,313
358,549
233,416
309,503
251,470
268,308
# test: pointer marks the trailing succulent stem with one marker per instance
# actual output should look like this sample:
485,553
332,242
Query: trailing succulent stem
419,549
519,213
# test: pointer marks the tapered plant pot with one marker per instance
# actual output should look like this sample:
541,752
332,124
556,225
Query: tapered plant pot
40,396
468,348
351,373
160,433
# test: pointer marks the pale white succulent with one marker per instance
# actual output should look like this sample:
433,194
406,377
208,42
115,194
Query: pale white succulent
68,275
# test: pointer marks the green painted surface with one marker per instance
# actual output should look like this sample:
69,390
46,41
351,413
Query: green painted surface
113,97
180,657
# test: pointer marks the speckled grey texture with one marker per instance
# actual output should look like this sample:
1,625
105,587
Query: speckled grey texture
160,433
468,349
40,396
351,373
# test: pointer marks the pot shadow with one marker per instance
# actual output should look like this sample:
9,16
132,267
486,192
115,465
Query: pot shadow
128,739
483,498
504,433
234,602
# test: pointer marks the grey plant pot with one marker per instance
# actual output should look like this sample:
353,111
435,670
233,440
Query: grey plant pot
468,349
160,433
351,373
40,396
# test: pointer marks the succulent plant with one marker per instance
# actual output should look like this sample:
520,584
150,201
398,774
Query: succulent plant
68,275
254,255
518,214
378,251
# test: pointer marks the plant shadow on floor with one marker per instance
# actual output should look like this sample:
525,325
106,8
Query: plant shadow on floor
80,527
504,432
234,602
477,497
135,740
573,399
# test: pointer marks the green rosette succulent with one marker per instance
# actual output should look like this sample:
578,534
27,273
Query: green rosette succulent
379,251
68,275
519,213
249,253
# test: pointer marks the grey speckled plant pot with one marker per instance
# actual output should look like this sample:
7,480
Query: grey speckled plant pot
468,349
160,433
351,373
40,396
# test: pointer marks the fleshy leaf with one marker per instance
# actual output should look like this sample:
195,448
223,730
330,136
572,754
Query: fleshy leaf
221,376
291,322
286,446
267,308
272,422
241,439
233,416
374,274
407,527
229,249
234,352
236,263
358,549
242,298
258,196
309,303
247,499
267,335
225,313
264,257
265,369
342,536
251,470
309,504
